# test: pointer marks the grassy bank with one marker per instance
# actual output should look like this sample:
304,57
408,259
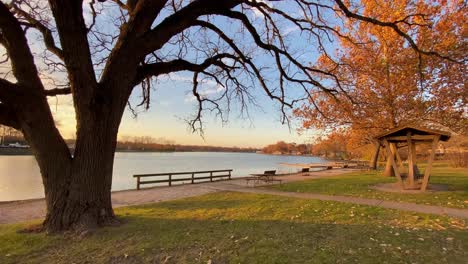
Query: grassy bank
249,228
360,184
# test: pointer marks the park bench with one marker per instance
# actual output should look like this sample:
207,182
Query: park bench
305,171
267,177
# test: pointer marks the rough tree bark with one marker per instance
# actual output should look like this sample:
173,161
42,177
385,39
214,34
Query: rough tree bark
84,200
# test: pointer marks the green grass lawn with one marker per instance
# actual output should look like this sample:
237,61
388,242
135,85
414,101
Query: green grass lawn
359,184
250,228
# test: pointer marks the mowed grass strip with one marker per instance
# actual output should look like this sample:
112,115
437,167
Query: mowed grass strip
360,184
250,228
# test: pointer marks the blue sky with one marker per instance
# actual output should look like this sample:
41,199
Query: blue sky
171,102
171,105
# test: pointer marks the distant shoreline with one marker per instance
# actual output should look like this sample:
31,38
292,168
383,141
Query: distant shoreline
28,151
15,151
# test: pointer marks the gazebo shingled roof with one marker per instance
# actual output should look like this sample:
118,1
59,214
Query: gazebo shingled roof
403,130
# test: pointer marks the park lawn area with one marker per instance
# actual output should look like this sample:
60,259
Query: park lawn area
249,228
359,184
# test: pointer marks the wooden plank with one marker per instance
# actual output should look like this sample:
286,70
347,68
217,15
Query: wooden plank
203,178
410,160
155,181
184,179
393,163
427,171
388,166
394,149
192,179
375,156
177,173
413,137
415,165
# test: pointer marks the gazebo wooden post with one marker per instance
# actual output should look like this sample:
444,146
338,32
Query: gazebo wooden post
397,155
388,172
415,165
411,164
375,156
427,171
392,161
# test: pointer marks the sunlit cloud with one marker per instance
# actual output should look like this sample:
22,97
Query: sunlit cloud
257,12
64,114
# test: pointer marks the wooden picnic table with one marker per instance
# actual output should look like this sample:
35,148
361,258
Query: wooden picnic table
267,176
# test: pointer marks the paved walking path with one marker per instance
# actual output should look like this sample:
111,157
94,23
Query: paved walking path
419,208
12,212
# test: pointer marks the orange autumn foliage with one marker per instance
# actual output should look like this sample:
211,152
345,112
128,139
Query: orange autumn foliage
385,82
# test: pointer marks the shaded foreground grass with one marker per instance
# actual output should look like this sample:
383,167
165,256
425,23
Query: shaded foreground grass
250,228
359,184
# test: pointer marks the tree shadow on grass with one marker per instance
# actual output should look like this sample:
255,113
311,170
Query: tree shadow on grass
224,200
197,204
190,240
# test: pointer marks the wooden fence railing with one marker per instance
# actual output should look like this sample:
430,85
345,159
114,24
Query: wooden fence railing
208,175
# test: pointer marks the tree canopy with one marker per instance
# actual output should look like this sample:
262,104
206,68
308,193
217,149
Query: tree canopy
387,83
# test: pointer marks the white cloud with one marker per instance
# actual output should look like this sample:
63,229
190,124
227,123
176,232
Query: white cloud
204,93
257,12
290,29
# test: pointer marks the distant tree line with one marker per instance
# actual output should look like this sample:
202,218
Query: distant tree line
147,143
131,143
9,135
282,147
333,146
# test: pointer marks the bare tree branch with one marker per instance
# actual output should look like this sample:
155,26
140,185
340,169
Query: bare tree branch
244,58
57,91
73,37
143,15
8,91
181,20
14,40
8,117
46,32
155,69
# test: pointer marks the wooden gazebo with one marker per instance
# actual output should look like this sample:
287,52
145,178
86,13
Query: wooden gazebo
409,136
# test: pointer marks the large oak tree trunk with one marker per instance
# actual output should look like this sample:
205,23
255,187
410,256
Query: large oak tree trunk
77,187
84,201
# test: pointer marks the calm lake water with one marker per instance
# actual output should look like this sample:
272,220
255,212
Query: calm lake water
20,178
